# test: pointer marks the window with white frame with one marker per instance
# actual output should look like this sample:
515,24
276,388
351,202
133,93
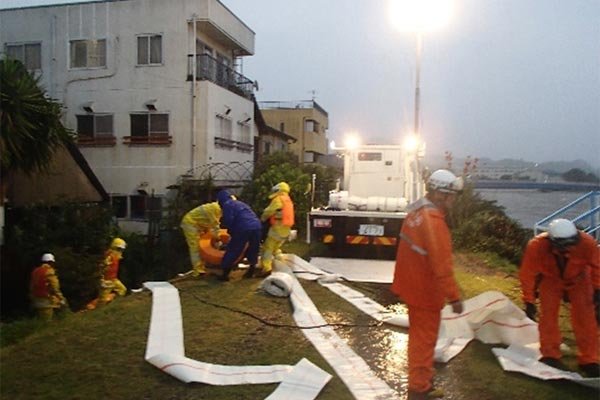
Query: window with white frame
224,127
88,53
149,125
149,49
30,54
95,125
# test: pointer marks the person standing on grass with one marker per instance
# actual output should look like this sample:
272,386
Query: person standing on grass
244,229
280,214
565,261
424,277
44,289
110,283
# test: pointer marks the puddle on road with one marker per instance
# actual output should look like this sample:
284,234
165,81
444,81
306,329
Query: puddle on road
385,348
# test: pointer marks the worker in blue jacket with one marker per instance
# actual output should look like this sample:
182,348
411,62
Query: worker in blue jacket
244,228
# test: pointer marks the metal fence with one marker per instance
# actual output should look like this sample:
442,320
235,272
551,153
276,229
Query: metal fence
209,68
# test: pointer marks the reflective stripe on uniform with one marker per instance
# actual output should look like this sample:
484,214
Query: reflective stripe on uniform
413,246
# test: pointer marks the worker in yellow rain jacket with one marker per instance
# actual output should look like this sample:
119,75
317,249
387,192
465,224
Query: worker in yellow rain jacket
110,283
44,288
198,221
280,214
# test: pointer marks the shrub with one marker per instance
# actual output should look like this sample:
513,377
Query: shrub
256,193
326,178
76,233
283,166
482,226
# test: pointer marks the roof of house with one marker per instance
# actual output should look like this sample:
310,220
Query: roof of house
69,178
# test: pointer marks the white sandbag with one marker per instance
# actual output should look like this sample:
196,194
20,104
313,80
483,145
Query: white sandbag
278,284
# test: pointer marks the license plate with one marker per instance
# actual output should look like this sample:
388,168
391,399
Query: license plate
370,230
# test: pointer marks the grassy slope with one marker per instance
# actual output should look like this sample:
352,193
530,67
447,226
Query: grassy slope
100,354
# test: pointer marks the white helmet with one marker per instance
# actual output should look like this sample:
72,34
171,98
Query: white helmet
48,257
563,232
445,181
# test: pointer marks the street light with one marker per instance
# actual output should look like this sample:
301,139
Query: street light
419,17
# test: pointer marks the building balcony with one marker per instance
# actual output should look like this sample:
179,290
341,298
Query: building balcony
148,140
225,143
210,69
96,141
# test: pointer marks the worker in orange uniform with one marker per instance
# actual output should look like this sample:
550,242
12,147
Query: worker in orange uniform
44,288
195,223
280,214
564,261
110,283
424,277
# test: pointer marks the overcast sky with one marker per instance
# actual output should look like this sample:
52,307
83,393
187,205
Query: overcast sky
505,79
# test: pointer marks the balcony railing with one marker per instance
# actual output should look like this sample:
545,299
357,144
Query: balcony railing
96,141
148,140
209,68
289,105
233,144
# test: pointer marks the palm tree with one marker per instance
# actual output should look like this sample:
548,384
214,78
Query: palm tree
30,126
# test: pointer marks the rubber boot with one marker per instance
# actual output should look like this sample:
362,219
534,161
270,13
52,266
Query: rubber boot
262,273
250,272
433,393
198,270
224,277
554,363
590,370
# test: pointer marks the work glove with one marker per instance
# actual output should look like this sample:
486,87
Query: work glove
530,311
597,304
457,306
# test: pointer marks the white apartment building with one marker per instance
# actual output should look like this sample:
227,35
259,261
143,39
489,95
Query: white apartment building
152,87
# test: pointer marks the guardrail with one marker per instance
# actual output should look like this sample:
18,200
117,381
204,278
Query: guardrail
549,186
588,220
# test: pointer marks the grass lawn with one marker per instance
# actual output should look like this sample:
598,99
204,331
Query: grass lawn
100,354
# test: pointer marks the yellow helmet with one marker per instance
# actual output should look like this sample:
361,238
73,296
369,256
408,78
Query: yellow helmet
281,187
118,243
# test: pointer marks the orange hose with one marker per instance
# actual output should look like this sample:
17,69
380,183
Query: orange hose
210,254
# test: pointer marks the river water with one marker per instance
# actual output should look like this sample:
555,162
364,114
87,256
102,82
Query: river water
528,206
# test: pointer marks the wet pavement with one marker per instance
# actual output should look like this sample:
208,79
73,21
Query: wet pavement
385,349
